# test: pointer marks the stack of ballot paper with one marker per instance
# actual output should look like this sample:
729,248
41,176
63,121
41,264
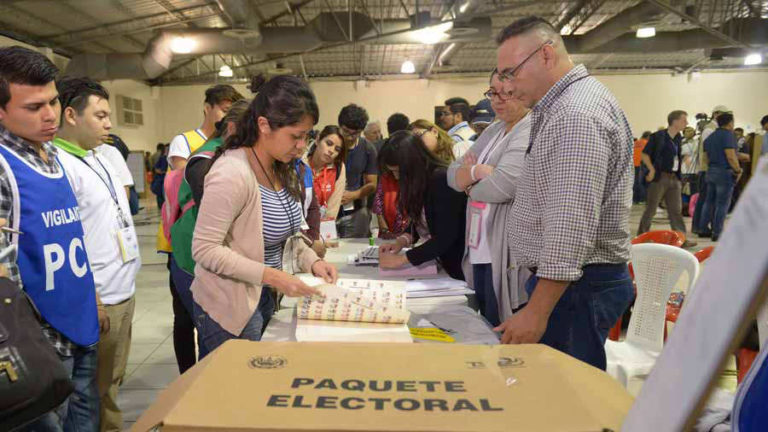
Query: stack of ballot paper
440,287
354,310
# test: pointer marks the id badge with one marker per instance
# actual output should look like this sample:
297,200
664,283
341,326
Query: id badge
328,230
675,164
476,210
129,245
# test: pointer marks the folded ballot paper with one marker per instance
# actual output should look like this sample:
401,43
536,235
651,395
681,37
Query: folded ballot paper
354,310
439,287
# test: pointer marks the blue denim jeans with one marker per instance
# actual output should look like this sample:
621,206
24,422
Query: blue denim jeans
182,281
212,335
720,183
80,411
584,315
482,279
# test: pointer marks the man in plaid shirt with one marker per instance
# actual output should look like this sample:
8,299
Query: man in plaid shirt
569,222
50,262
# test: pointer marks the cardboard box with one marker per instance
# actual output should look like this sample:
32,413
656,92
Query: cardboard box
280,386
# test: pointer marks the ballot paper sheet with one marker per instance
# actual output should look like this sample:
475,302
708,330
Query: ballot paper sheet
357,300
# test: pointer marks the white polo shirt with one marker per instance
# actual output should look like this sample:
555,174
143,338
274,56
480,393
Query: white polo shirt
89,177
119,165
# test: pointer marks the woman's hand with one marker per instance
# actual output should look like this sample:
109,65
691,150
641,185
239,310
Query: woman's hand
391,260
287,284
325,271
482,171
319,247
390,248
469,159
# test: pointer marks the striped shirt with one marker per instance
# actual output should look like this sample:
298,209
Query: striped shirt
282,218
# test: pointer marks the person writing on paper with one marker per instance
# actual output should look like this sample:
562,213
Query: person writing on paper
437,212
488,174
326,158
250,208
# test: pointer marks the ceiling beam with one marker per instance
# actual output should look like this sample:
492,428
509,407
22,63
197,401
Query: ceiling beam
90,17
695,21
294,6
47,23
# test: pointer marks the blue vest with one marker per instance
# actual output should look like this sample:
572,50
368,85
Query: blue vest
304,172
52,261
749,410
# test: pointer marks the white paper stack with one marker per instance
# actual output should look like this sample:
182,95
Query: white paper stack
441,287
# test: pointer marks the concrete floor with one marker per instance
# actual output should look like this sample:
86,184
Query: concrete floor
152,363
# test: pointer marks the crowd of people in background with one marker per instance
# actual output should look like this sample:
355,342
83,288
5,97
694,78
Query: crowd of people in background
525,195
694,171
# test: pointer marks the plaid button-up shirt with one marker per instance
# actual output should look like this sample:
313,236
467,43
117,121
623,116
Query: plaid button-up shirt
12,142
574,198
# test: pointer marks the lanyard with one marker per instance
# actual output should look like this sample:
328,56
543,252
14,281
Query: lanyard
110,186
324,194
530,143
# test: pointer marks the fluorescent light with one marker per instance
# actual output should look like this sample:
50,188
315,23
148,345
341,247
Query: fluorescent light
753,59
464,7
696,75
646,32
408,67
182,45
433,34
225,71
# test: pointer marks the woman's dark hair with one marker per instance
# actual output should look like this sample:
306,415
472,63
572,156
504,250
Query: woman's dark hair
328,131
283,101
232,116
407,152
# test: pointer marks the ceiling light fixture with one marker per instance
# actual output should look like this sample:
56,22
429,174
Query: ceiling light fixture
182,45
464,7
225,71
408,67
645,32
753,59
432,34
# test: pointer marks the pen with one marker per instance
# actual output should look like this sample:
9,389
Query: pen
10,230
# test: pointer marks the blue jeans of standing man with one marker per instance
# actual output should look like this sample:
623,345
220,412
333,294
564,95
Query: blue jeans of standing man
212,334
720,183
582,318
80,411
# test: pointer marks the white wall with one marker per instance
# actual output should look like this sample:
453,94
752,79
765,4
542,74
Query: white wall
144,137
646,99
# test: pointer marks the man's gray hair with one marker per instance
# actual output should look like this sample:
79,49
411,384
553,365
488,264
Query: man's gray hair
371,125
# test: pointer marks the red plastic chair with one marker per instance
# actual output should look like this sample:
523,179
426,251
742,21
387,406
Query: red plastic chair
744,359
672,238
703,254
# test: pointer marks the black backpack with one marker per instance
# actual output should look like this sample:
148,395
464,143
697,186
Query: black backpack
33,381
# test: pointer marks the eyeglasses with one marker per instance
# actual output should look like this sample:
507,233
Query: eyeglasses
491,93
509,73
350,133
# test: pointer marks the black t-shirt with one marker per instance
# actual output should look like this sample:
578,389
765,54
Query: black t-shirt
361,161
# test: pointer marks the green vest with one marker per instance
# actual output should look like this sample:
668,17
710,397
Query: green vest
183,229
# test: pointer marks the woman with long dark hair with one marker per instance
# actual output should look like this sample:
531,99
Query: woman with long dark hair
250,208
326,158
437,212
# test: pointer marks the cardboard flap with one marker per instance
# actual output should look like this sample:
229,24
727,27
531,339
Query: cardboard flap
282,386
168,399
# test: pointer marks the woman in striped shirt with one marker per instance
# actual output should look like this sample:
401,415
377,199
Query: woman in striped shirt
251,206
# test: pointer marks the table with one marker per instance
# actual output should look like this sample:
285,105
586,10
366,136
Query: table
467,326
450,312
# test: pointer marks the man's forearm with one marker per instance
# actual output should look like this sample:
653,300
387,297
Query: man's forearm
647,162
366,190
546,295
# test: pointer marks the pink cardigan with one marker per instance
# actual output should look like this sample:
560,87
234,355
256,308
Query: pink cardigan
228,246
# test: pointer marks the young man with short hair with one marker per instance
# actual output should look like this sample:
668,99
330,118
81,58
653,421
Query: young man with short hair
662,156
51,263
702,163
457,125
362,174
110,237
